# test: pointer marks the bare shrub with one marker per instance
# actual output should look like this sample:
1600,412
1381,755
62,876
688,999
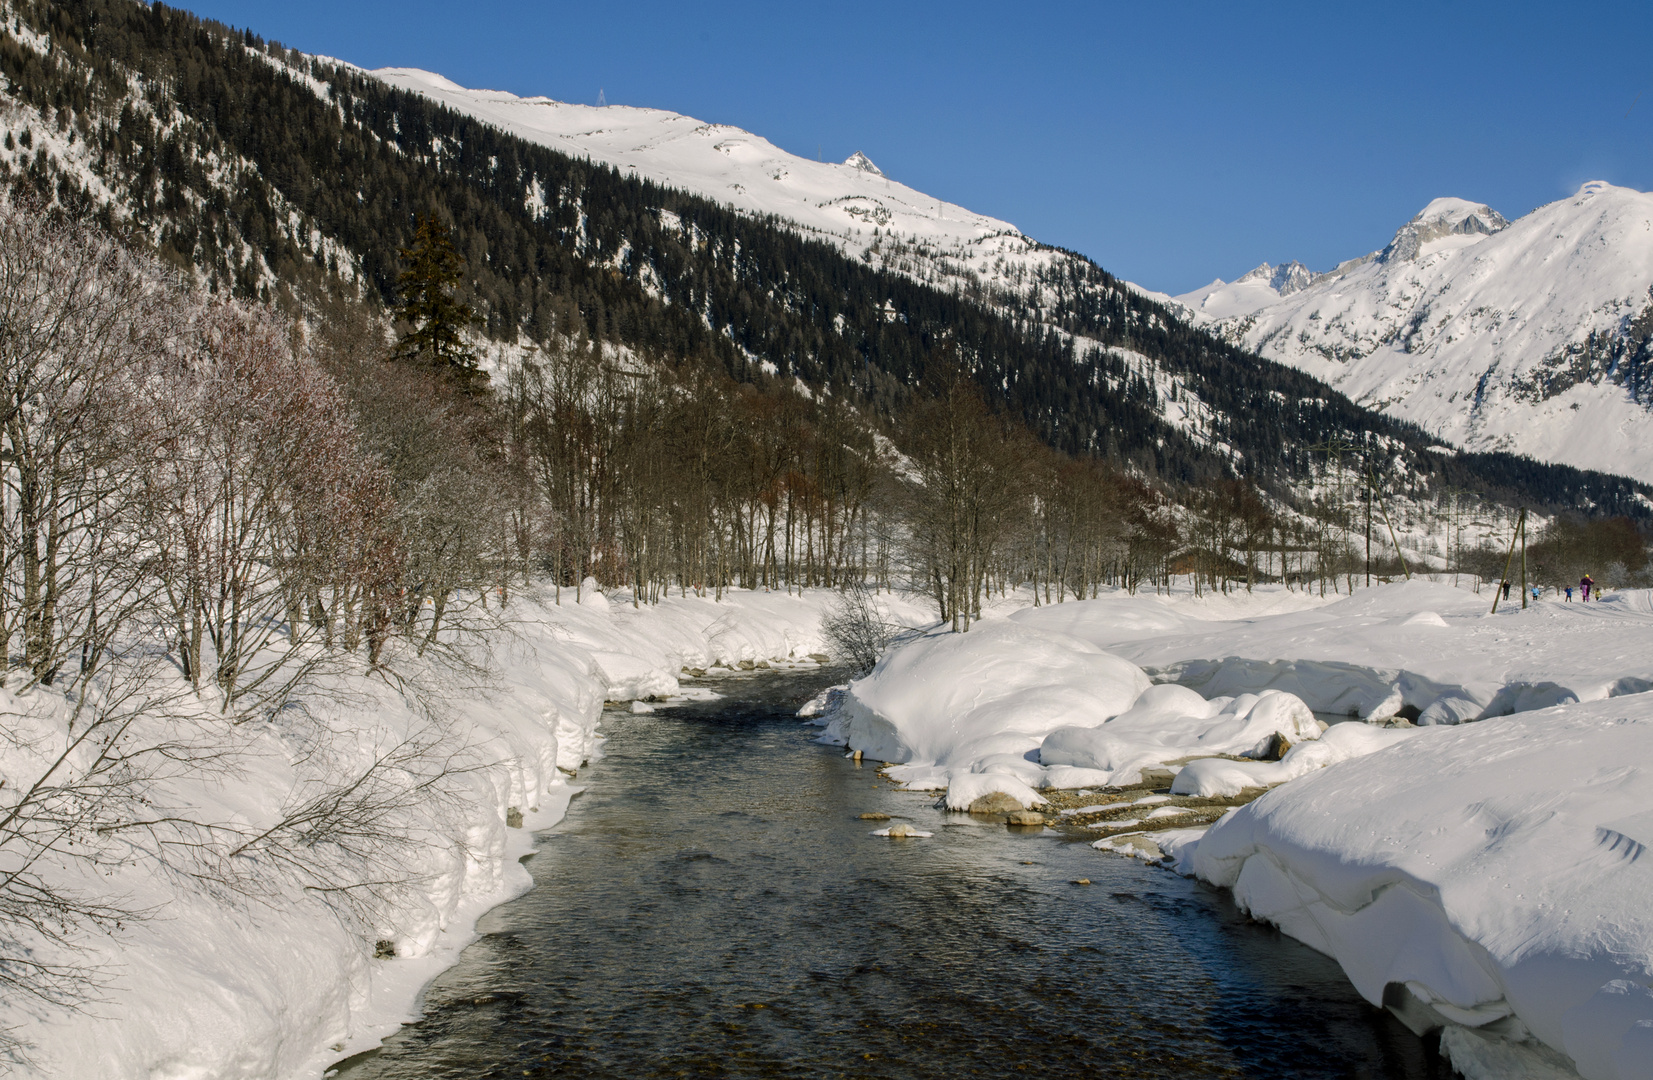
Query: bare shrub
858,631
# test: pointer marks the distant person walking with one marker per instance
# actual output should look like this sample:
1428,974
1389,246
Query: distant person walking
1504,585
1585,583
1535,591
1569,594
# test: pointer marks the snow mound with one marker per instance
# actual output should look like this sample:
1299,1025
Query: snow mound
1212,777
1012,708
953,698
1510,899
964,712
1172,721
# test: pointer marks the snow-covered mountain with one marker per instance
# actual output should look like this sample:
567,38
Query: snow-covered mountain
1528,337
851,203
1245,294
1533,336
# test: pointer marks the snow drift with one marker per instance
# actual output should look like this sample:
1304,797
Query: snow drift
1493,876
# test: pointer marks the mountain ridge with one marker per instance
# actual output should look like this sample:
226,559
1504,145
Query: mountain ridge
1532,336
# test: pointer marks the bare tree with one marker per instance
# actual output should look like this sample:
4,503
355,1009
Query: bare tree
858,630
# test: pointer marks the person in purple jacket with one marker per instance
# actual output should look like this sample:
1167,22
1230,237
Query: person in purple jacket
1584,584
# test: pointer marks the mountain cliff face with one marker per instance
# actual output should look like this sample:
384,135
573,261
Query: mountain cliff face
1533,336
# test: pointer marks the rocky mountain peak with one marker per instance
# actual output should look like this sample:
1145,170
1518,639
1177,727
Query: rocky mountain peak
1442,217
1284,279
858,160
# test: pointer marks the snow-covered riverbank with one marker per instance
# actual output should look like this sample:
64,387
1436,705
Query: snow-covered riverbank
1490,878
212,985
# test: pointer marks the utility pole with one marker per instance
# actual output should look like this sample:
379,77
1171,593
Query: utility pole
1498,588
1383,505
1368,535
1523,557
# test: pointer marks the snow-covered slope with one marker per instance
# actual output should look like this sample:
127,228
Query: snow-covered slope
1528,337
851,204
1531,336
1256,289
844,203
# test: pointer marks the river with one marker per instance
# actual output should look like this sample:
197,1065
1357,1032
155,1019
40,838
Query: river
713,906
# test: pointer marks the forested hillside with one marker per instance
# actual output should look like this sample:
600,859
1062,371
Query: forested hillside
276,176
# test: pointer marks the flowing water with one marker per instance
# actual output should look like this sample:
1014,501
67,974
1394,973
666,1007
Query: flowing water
712,906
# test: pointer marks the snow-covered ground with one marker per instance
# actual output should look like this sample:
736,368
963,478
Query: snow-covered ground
1484,869
211,985
1494,335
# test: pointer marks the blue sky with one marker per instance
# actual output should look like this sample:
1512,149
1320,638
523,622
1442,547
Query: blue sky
1170,141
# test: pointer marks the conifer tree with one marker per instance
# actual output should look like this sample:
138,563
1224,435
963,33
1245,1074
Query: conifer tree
435,321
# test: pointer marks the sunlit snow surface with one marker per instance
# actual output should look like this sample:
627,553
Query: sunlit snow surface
843,202
1480,338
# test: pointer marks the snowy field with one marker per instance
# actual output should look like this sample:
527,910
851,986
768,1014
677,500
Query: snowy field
215,985
1482,870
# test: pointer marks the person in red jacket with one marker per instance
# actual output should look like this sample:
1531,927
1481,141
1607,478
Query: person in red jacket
1584,584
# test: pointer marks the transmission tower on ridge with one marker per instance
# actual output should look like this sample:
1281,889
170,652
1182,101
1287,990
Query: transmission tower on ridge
601,101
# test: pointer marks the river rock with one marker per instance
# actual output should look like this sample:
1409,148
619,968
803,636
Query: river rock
997,802
901,829
1026,817
819,657
1275,748
513,818
745,665
874,815
1157,778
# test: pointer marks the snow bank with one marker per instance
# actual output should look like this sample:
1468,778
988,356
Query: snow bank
1011,708
1493,876
213,987
963,711
1420,649
1218,776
